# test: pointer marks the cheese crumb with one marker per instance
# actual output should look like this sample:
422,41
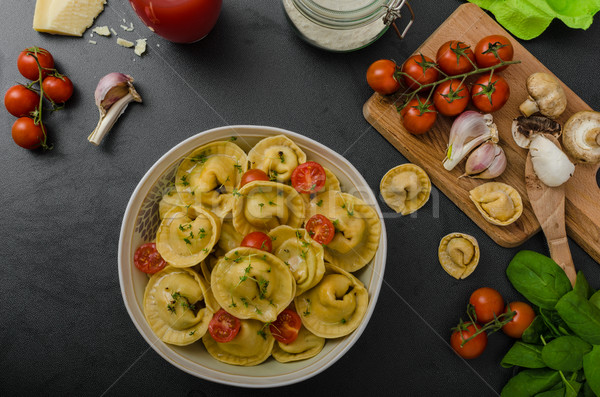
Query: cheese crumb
126,28
140,47
113,31
124,43
102,31
91,42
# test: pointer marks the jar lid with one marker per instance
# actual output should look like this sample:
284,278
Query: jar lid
342,14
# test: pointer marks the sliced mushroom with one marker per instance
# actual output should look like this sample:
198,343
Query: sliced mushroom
525,128
581,137
546,96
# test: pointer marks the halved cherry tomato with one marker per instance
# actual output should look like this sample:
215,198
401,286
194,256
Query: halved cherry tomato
472,348
27,134
380,77
308,177
419,69
147,259
490,46
28,66
223,327
253,174
490,93
21,101
521,321
258,240
320,229
487,303
57,89
285,329
418,116
451,97
455,57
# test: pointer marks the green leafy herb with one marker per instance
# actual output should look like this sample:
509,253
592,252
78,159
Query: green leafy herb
281,157
244,301
271,203
233,139
581,316
565,353
236,193
184,181
307,311
187,241
238,168
343,321
524,355
273,175
320,203
591,369
201,158
192,333
171,308
202,233
530,382
263,285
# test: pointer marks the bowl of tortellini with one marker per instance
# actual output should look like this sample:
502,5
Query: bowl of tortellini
215,303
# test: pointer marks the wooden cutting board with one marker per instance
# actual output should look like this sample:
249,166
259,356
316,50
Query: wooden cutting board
469,24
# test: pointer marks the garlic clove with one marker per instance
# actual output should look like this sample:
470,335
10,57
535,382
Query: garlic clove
550,163
488,161
468,131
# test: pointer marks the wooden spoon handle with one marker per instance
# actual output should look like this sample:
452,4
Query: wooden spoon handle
561,254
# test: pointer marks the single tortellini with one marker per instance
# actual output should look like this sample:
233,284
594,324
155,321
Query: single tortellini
251,283
178,305
209,175
336,306
498,202
305,346
230,238
302,255
405,188
357,229
187,235
251,346
277,156
263,205
331,183
458,254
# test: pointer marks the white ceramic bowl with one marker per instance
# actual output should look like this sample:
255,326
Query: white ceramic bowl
139,226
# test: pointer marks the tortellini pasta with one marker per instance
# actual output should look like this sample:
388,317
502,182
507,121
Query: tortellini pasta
171,199
405,188
251,283
498,202
178,305
458,254
305,346
277,156
336,306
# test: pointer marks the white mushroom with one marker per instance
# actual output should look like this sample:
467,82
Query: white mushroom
546,96
550,163
582,136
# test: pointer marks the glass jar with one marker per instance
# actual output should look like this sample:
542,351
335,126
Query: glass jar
342,25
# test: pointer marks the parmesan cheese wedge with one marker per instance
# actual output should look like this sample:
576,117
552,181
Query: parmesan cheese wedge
66,17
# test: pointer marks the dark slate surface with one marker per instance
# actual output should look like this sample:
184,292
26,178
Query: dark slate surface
64,329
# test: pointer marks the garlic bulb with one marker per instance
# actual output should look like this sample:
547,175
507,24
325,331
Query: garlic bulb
468,131
550,164
486,162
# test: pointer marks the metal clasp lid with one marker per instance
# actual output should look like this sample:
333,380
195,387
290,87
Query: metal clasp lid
393,13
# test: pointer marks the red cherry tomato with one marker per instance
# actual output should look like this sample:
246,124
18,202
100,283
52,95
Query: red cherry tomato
521,321
21,101
490,94
308,177
472,348
27,65
380,77
258,240
451,97
455,57
147,259
27,134
418,116
223,327
253,174
419,68
57,89
285,329
487,303
320,229
489,46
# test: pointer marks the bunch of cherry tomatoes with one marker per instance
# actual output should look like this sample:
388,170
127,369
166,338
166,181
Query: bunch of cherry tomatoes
487,314
25,101
439,86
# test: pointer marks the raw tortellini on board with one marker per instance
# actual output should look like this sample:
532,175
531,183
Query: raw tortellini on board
498,202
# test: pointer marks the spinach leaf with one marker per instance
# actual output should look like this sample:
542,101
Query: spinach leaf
556,325
582,287
587,390
591,369
524,355
535,329
595,299
565,353
572,389
559,392
581,316
530,382
538,278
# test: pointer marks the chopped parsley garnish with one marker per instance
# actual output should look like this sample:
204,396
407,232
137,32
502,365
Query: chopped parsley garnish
336,222
201,158
273,175
298,235
271,203
307,311
236,193
238,168
263,285
244,301
233,139
343,321
319,203
192,333
303,254
261,205
187,241
202,233
171,308
281,157
303,243
184,181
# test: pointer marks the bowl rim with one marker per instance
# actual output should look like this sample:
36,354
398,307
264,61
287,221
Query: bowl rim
217,376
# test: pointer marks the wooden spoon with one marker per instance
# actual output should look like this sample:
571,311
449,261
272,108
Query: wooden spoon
549,208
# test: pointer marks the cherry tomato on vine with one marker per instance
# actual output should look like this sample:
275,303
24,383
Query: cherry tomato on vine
380,77
455,57
57,89
451,97
223,327
418,116
147,259
521,321
490,93
487,303
27,65
253,174
472,348
285,329
308,177
21,101
490,46
27,134
320,229
419,68
258,240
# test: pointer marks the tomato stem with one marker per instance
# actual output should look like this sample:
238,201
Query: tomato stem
37,119
490,327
